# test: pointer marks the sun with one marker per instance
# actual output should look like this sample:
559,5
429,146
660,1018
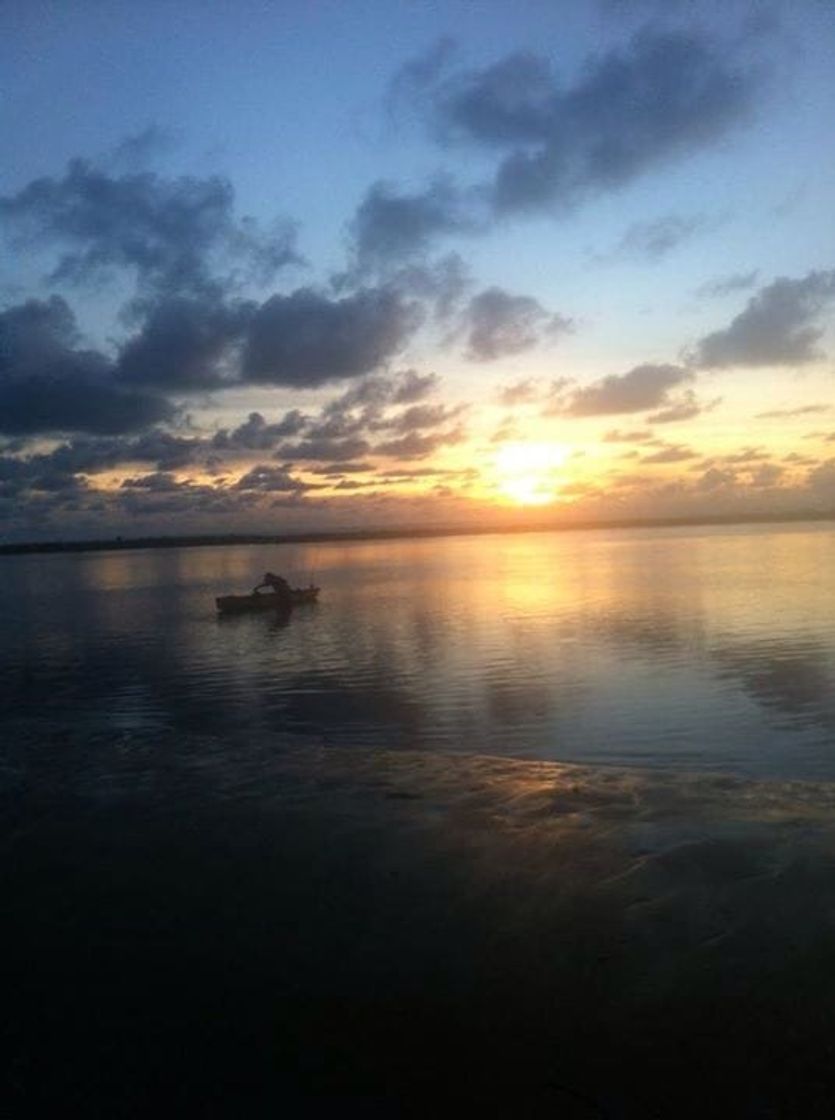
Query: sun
526,472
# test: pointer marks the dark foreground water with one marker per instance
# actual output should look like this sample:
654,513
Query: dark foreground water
334,861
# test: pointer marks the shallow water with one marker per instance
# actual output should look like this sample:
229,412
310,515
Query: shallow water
697,648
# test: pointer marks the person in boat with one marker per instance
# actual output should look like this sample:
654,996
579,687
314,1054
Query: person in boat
278,584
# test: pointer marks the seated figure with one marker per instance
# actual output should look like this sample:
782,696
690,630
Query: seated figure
278,584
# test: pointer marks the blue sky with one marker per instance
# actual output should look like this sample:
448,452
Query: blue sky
461,260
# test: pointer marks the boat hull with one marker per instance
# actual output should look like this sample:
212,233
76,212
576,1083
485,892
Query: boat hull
245,604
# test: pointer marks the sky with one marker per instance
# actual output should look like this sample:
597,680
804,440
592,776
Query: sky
283,267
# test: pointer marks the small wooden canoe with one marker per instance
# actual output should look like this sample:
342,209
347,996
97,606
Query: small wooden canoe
269,601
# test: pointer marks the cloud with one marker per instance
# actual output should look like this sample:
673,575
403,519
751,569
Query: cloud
615,435
263,477
685,407
36,473
48,384
255,434
665,95
185,345
420,74
777,326
766,475
306,339
672,453
642,388
340,469
90,455
173,234
160,482
324,449
654,240
441,283
520,392
166,450
821,480
391,226
416,445
716,479
498,324
787,413
411,386
340,433
728,285
418,417
137,150
746,455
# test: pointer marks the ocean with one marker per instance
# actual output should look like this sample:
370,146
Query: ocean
532,824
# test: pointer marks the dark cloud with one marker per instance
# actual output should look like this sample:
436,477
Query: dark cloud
420,74
728,285
498,324
263,477
642,388
255,434
372,396
339,434
178,236
88,456
654,240
185,345
416,445
307,339
168,451
323,449
777,326
160,482
340,469
19,477
391,226
178,500
48,384
419,417
441,283
357,406
667,94
411,386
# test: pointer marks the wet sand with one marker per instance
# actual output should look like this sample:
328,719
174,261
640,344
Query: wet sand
386,932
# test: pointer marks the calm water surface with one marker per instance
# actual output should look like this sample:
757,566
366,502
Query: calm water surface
201,911
696,648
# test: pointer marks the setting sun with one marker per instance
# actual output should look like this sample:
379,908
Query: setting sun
526,472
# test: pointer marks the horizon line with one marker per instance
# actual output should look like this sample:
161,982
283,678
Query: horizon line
210,540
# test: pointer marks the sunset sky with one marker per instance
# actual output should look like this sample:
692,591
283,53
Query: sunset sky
293,266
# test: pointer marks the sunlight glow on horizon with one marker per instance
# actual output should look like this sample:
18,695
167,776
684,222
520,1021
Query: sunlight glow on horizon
526,473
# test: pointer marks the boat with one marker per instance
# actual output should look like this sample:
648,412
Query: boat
266,601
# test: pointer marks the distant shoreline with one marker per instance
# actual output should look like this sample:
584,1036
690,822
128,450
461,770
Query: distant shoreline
119,544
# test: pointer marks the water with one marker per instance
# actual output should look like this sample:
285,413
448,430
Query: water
699,648
261,866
